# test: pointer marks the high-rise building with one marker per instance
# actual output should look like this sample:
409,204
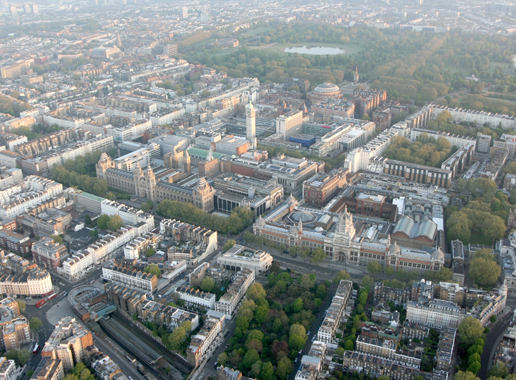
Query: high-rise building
290,123
35,9
184,12
250,122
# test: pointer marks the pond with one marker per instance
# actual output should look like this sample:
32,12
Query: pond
314,50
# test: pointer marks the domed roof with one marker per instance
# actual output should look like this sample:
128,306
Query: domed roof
326,88
303,216
437,254
395,249
260,222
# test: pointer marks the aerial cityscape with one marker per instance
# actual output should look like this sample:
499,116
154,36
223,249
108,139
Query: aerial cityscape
237,190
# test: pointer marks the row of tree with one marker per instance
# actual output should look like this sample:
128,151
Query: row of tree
239,219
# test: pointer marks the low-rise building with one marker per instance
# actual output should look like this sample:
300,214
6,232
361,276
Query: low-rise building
239,257
130,277
48,254
196,297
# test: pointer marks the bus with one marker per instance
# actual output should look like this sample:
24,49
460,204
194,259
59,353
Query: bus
40,303
35,349
52,296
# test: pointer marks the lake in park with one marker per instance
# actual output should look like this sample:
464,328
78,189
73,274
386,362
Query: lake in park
314,50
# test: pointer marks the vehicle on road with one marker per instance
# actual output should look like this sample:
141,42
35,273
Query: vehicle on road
40,303
52,296
35,350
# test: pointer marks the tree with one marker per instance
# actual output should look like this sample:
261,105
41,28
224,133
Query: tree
150,252
296,342
152,269
222,359
115,223
374,267
22,357
102,222
207,284
35,324
470,329
339,352
21,306
484,272
57,239
267,372
147,206
256,291
318,255
229,244
87,220
367,282
342,275
498,370
474,367
250,357
321,291
298,329
284,368
348,345
459,227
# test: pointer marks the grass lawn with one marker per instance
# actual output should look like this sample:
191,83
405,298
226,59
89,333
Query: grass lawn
480,239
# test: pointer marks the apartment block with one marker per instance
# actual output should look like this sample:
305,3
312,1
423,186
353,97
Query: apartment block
335,312
67,343
228,302
435,313
201,342
49,369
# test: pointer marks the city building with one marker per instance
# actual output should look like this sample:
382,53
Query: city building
145,184
250,120
236,291
334,313
201,342
130,277
324,91
436,313
290,123
7,369
239,257
49,369
318,190
67,343
343,237
233,190
195,297
48,254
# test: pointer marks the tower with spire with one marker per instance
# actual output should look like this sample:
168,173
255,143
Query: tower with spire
250,124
